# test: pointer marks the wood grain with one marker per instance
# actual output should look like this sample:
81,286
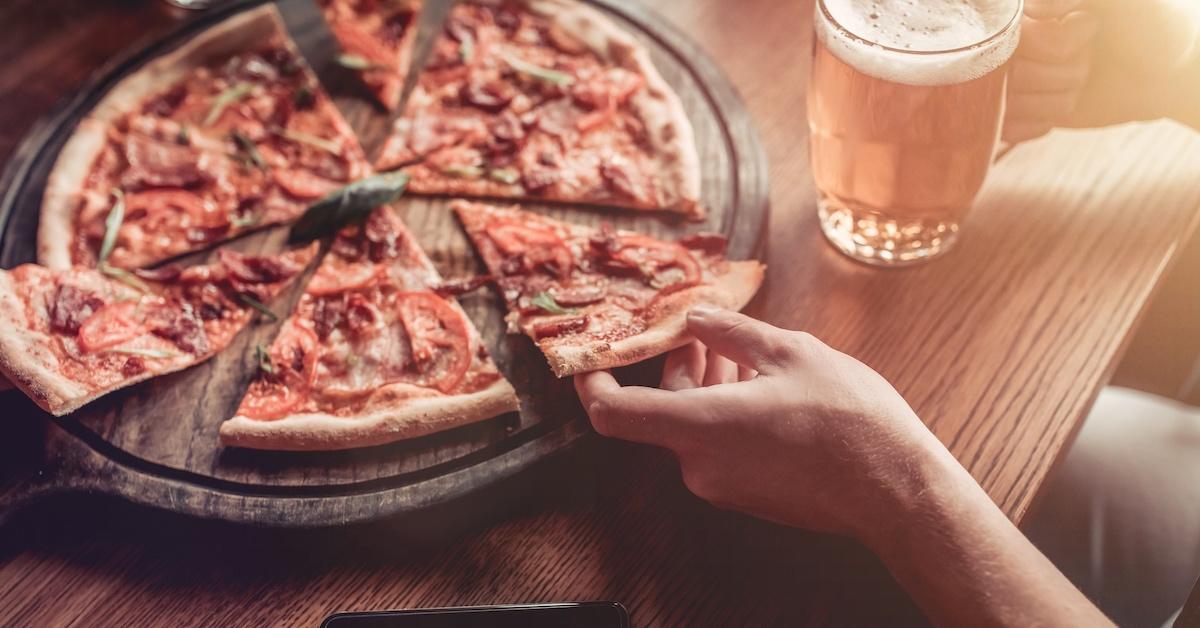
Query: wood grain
999,347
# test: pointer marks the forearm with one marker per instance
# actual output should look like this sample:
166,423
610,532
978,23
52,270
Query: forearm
965,563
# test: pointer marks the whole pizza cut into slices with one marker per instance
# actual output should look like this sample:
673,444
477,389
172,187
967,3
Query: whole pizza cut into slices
376,38
548,100
375,351
229,133
599,298
73,335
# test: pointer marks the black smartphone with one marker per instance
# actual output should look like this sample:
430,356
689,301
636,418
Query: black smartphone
567,615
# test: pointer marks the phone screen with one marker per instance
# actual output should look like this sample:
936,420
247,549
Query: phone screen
581,615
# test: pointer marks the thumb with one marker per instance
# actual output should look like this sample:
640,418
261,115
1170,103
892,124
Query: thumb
749,342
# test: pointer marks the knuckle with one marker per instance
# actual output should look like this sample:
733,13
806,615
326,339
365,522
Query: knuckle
697,483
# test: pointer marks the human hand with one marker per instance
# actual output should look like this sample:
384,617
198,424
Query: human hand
1084,63
773,423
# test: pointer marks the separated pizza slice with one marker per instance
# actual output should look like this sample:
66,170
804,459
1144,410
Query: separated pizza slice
598,298
73,335
548,100
229,133
373,353
376,38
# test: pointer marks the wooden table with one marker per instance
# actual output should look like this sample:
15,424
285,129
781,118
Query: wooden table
1000,347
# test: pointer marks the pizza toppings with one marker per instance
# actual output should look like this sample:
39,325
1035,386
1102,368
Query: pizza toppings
285,375
376,39
438,336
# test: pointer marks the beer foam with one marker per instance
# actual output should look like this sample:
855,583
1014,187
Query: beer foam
880,37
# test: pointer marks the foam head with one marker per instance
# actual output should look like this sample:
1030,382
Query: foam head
920,42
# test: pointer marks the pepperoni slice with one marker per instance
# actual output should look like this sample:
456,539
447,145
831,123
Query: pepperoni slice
439,337
538,247
293,359
110,326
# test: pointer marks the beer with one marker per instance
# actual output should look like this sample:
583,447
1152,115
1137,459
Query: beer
904,105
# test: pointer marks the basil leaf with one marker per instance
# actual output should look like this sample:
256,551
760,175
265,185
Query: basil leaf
463,172
537,71
545,301
504,175
226,98
112,224
145,353
254,303
320,143
264,360
124,276
247,146
466,48
348,204
355,62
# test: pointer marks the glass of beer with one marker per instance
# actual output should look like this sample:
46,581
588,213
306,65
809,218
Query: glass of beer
905,104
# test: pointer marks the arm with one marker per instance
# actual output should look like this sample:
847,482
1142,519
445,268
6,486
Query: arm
778,425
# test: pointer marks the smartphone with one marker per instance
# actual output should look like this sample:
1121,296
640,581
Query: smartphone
566,615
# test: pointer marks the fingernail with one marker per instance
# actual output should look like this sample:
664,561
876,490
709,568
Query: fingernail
702,310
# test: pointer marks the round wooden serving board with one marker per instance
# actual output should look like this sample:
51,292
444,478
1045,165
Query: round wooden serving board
156,443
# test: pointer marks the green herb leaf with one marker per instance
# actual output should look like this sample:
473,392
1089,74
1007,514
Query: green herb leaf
303,97
264,360
320,143
537,71
355,62
463,172
184,136
348,204
247,146
545,301
246,220
254,303
226,98
466,48
145,353
124,276
112,224
504,175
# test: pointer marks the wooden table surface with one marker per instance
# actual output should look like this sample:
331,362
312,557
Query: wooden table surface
1001,348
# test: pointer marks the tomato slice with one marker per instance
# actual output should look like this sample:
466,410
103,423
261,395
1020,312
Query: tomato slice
655,256
275,394
303,184
110,326
335,276
438,334
539,247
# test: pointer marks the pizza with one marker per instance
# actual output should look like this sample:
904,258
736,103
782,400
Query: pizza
374,352
546,100
376,38
227,134
600,298
72,335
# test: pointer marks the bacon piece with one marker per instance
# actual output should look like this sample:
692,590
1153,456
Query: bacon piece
133,365
489,94
706,242
170,272
559,326
256,269
180,325
157,163
455,287
71,307
327,314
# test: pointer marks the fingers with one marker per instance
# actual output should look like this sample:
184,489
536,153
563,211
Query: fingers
746,373
684,367
746,341
635,413
719,369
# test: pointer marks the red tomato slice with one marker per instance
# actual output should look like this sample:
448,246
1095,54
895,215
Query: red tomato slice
653,256
303,184
332,277
274,396
539,247
110,326
439,337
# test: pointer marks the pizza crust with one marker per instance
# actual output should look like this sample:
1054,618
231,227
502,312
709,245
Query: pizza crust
404,418
732,290
64,186
657,105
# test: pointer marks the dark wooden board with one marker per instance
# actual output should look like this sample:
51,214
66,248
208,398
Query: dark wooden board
156,443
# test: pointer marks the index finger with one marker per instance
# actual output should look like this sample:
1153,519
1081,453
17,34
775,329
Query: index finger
637,413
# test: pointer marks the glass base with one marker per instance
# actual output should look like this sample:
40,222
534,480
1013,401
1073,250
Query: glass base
873,238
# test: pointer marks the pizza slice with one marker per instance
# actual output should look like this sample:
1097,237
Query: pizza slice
598,298
73,335
227,134
548,100
376,38
373,353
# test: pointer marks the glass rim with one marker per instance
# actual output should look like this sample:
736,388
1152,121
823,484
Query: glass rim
1013,20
